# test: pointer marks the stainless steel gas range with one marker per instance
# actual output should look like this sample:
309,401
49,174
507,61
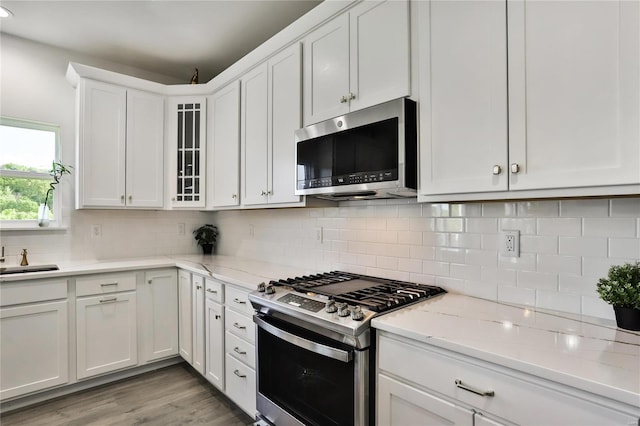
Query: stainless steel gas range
314,345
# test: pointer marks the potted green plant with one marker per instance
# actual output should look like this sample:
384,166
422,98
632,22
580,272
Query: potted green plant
56,172
621,289
206,236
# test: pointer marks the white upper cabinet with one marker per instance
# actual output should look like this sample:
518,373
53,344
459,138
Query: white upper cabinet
223,161
574,93
463,93
566,120
186,150
120,147
271,112
357,60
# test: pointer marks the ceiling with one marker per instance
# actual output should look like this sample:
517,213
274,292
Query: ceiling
169,37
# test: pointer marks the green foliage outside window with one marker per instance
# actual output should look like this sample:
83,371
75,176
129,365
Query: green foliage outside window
20,197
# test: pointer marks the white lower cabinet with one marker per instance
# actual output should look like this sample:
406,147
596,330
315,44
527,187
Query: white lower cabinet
34,341
197,288
419,381
185,316
214,333
106,330
158,315
240,375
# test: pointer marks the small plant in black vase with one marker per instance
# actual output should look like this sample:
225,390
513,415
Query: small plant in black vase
206,236
621,289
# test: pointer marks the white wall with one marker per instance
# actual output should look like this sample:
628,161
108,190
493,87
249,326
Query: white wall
33,87
565,245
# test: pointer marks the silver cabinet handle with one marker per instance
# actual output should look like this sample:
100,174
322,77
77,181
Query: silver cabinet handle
238,351
122,199
241,327
108,284
474,390
130,198
242,302
497,170
234,196
109,299
198,287
344,100
263,193
212,291
239,374
218,316
352,96
515,168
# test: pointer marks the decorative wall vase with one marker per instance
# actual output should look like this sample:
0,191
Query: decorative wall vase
627,318
43,215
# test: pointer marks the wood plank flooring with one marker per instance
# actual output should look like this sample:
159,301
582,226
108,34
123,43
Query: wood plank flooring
174,395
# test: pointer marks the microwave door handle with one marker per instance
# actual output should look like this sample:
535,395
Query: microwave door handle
303,343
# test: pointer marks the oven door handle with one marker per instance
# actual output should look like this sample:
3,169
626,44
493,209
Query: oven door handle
338,354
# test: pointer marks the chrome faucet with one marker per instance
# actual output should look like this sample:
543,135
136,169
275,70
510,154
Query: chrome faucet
24,261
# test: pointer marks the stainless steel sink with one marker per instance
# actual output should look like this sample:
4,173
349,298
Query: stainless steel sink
24,269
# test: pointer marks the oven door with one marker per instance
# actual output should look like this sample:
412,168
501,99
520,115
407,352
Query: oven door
304,378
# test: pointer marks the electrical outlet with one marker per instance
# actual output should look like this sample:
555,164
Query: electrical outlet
510,243
181,229
96,231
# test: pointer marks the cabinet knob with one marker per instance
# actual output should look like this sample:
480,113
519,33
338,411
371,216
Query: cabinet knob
352,96
263,193
515,168
344,100
218,316
122,198
130,197
497,170
198,287
234,196
149,281
173,198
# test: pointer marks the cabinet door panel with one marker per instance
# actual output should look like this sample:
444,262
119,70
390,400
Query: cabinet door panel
254,136
145,149
158,301
284,118
463,92
401,404
379,52
574,93
185,316
101,145
198,323
224,155
215,343
106,333
37,362
326,71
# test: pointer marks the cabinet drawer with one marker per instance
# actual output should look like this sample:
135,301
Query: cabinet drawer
214,290
14,293
239,325
240,349
240,384
238,299
517,396
100,284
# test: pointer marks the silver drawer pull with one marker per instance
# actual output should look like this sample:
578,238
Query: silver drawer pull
109,299
108,284
242,302
241,327
239,374
474,390
212,291
238,351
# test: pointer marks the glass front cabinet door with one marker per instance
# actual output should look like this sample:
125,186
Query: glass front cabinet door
187,144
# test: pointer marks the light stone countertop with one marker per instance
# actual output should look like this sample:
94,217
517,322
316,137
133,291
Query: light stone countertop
582,352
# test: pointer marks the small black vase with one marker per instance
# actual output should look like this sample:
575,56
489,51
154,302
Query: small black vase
207,248
627,318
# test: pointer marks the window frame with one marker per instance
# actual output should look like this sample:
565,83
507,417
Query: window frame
32,224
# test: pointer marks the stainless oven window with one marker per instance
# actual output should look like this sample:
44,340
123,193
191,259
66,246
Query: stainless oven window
315,388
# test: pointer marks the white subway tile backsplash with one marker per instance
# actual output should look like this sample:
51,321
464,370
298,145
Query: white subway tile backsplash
450,254
435,210
499,209
398,224
482,225
537,280
559,264
465,240
539,244
577,284
432,267
506,277
410,210
465,271
409,237
595,247
422,224
558,301
450,225
517,295
625,207
525,226
596,307
628,248
598,267
410,265
387,262
560,226
609,227
422,252
481,257
466,210
526,262
538,208
584,208
435,239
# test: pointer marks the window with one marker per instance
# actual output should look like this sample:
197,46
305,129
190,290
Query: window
27,152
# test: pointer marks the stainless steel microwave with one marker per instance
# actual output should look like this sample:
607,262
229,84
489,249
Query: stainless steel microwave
371,153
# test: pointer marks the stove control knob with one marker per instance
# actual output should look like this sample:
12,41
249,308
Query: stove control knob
261,287
269,289
330,307
343,310
357,314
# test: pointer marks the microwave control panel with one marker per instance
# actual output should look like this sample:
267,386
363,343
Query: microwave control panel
350,179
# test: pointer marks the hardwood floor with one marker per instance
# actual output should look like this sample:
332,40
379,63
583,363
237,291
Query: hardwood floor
174,395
